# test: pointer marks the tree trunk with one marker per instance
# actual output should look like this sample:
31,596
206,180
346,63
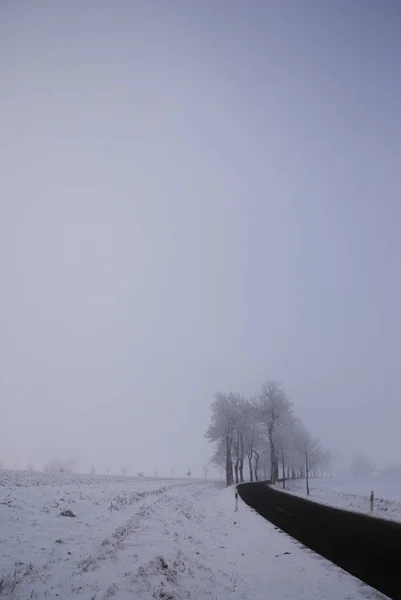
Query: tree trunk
307,473
283,465
273,459
293,476
241,459
241,470
229,462
256,466
236,467
250,468
276,470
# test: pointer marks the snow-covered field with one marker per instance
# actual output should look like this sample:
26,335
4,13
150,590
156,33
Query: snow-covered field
353,493
150,539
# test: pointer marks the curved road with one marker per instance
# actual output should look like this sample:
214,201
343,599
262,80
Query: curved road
367,547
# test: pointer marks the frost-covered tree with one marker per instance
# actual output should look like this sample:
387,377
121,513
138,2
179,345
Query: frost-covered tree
325,465
222,430
265,434
276,411
285,442
313,453
252,435
262,464
219,457
238,439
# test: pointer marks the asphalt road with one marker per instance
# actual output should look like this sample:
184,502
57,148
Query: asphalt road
367,547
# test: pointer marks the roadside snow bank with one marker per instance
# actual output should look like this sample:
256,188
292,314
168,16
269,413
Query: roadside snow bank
353,494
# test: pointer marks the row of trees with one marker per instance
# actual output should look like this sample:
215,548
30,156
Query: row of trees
263,436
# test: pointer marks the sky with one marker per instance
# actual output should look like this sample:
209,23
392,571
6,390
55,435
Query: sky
196,196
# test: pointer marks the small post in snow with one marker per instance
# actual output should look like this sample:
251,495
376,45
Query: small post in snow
372,500
236,502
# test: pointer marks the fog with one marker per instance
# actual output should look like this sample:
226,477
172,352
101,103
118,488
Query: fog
196,196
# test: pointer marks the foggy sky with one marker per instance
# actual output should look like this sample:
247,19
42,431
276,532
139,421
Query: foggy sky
196,196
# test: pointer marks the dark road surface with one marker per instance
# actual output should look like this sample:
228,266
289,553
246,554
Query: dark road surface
367,547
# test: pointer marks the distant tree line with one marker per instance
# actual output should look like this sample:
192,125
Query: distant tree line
263,438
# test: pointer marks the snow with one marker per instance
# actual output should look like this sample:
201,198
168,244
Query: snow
353,493
135,538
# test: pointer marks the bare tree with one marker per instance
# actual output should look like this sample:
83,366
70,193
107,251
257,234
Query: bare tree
219,458
313,455
262,466
205,471
285,438
155,473
222,428
329,462
251,433
276,410
237,455
189,473
172,471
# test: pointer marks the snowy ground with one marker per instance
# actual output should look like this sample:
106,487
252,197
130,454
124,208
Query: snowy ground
150,539
352,493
